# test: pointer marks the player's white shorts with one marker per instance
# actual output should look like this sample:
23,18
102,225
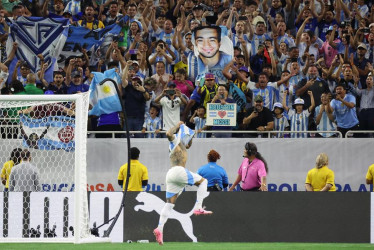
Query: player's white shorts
177,178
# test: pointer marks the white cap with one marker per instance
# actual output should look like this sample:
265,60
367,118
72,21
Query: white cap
278,105
299,101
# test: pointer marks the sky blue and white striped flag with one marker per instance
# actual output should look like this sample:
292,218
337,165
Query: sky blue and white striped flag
48,133
103,94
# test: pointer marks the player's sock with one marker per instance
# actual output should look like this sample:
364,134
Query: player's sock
164,215
201,194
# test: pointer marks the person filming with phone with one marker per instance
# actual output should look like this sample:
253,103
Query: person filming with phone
170,99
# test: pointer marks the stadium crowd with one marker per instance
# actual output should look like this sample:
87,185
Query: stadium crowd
298,65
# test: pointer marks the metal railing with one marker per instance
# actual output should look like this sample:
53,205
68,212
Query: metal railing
269,133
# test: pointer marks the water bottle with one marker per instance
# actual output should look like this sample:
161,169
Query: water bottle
143,241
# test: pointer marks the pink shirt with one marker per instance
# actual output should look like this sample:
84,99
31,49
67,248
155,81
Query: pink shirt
329,52
251,173
183,88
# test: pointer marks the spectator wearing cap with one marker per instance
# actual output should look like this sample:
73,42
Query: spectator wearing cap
76,85
170,100
258,118
344,108
299,116
58,85
329,48
58,9
24,71
324,120
280,121
135,97
366,114
361,63
208,90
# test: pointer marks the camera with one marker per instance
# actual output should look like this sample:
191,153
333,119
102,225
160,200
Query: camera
170,92
366,30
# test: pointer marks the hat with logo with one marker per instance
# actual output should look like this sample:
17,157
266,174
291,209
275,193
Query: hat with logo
278,105
75,74
209,76
259,98
298,101
198,7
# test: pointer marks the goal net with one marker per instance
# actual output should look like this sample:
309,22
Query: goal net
43,159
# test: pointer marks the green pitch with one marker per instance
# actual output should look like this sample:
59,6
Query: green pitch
186,246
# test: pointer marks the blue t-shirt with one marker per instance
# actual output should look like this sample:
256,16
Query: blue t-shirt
214,174
72,89
345,117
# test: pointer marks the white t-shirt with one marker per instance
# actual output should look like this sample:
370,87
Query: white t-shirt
170,112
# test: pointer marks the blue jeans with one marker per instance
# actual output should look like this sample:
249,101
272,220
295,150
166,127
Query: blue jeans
135,124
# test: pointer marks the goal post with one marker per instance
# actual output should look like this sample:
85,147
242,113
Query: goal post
46,198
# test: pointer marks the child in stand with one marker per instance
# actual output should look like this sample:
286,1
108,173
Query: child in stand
280,121
198,118
298,116
152,123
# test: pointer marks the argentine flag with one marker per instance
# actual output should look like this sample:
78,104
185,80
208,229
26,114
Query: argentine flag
103,94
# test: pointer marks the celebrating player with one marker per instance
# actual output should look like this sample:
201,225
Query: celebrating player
178,176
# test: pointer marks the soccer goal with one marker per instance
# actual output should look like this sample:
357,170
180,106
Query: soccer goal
43,159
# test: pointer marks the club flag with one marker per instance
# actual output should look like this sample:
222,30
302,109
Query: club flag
48,133
238,96
37,35
103,94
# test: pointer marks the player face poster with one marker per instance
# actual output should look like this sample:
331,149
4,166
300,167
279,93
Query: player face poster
213,50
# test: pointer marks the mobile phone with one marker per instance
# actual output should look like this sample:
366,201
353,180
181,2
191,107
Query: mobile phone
210,13
133,51
153,39
161,45
222,96
348,38
366,30
133,57
170,92
307,2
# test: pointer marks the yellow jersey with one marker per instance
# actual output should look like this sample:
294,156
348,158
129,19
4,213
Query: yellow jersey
319,177
138,173
370,173
5,171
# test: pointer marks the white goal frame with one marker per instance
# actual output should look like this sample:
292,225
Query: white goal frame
80,178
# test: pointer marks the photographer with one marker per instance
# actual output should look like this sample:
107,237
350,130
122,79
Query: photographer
171,99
